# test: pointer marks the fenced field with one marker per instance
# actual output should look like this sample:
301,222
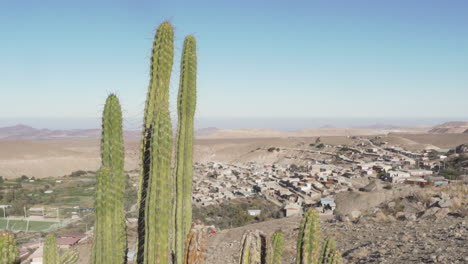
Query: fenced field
28,226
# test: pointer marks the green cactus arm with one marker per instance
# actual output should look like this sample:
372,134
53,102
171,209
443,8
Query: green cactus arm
308,245
329,254
99,248
51,251
184,145
113,156
253,248
155,194
326,250
110,243
9,253
276,249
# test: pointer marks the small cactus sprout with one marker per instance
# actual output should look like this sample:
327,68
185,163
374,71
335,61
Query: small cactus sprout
308,242
329,254
51,251
253,248
9,253
276,249
195,244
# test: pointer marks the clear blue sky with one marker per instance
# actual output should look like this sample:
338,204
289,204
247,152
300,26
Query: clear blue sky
270,58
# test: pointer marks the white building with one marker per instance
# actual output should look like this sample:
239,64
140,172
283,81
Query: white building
397,176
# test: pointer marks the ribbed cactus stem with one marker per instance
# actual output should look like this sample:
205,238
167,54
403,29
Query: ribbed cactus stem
195,244
110,243
155,194
51,251
69,257
328,253
253,248
184,146
9,253
308,243
276,250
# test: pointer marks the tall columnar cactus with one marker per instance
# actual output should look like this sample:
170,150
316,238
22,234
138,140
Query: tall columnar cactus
156,185
253,248
276,249
51,251
110,241
184,146
308,243
195,244
329,254
9,253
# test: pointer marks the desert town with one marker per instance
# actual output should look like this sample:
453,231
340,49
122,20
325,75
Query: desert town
312,177
303,175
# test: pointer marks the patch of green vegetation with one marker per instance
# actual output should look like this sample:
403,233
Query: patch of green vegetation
22,225
234,213
450,174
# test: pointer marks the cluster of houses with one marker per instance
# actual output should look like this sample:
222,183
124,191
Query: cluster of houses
318,179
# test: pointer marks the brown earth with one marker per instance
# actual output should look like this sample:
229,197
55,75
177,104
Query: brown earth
58,157
424,241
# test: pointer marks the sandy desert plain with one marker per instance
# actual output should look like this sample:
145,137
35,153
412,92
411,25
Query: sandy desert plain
58,156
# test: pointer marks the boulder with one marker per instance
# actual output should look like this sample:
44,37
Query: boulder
441,213
355,214
430,212
400,216
444,203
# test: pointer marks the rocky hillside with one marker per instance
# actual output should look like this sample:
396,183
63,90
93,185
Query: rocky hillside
458,127
424,226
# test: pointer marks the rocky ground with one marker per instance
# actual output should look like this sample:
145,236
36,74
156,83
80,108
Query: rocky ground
425,226
420,241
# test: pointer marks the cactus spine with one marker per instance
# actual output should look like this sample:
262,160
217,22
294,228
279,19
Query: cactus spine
69,257
253,248
110,240
308,243
276,249
155,194
328,253
9,253
51,251
184,146
195,244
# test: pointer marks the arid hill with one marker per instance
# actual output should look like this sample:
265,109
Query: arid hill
24,132
458,127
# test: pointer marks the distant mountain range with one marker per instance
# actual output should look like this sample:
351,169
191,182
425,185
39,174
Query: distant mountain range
24,132
455,127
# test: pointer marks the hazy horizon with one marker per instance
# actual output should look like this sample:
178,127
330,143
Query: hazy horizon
284,124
